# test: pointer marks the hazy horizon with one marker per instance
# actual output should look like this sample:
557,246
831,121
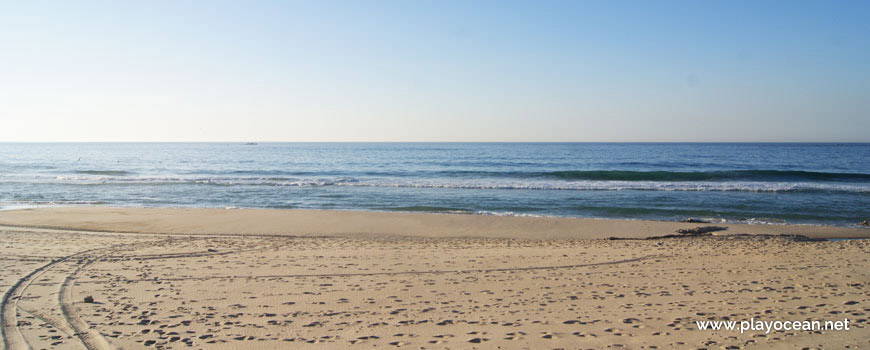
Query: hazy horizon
389,71
492,142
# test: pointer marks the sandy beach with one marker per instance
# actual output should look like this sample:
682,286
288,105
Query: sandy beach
243,279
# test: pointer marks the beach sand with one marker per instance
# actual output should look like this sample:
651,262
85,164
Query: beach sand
261,279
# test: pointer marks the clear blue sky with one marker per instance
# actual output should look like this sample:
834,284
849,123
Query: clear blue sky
434,71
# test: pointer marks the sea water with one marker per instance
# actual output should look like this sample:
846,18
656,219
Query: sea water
808,183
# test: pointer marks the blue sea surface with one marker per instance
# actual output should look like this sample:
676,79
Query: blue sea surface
807,183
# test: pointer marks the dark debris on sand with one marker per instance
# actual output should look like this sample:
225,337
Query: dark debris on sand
706,231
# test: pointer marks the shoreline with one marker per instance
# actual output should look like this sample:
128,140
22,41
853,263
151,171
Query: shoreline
314,223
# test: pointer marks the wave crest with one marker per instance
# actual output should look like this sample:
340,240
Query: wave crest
473,183
724,175
104,172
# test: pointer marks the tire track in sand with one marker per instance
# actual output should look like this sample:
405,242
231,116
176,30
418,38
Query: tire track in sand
90,338
10,330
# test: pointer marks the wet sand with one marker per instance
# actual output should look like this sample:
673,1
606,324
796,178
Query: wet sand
374,224
239,279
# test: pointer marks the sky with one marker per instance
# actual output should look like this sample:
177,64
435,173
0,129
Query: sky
552,71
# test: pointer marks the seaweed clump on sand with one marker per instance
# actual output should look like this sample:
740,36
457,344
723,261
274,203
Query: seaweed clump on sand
681,233
699,231
706,231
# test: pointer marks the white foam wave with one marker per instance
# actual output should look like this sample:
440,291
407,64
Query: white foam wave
498,184
508,213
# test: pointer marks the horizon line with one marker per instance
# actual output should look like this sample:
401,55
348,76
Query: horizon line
482,142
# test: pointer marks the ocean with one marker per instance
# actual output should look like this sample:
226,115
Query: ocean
797,183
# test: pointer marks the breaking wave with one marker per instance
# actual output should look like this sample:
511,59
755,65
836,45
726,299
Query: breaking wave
732,175
470,183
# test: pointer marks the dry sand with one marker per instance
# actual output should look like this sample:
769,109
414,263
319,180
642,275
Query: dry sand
260,279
